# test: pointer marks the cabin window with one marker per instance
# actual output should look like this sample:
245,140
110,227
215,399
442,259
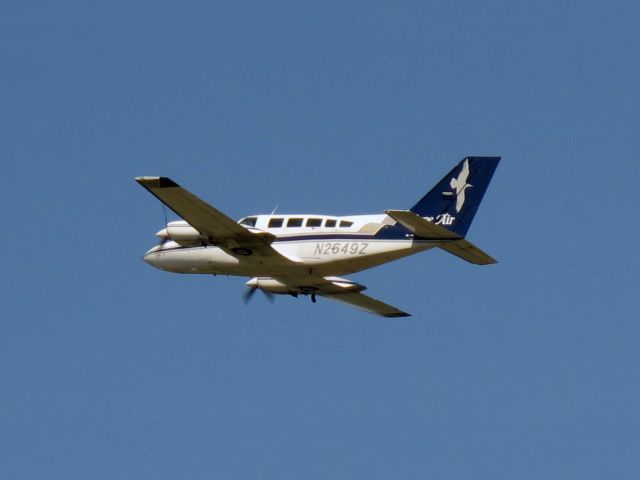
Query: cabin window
276,222
345,224
330,224
249,221
295,222
314,222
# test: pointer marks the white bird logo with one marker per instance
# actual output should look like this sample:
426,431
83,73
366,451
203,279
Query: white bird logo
460,185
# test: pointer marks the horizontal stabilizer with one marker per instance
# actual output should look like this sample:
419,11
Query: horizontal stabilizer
454,244
420,227
468,251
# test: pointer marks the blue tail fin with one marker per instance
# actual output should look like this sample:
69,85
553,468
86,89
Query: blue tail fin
454,201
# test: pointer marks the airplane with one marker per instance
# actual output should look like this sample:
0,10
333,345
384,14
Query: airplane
307,254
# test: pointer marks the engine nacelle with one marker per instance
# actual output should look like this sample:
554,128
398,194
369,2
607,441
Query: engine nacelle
268,284
180,232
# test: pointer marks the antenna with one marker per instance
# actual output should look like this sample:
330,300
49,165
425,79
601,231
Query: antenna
274,209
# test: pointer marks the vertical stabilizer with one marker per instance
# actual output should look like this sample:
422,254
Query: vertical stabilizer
454,201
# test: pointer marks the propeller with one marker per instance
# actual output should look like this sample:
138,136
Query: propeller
166,223
164,212
248,294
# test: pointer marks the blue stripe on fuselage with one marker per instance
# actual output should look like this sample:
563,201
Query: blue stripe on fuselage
388,232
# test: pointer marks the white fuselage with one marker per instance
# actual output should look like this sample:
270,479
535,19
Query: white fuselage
324,245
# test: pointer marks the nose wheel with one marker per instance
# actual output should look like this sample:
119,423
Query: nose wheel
313,297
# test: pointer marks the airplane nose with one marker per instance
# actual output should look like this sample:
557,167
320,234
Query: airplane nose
152,258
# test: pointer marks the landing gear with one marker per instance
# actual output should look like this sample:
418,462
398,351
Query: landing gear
310,291
241,251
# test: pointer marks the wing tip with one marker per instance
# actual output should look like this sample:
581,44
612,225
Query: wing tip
397,315
156,182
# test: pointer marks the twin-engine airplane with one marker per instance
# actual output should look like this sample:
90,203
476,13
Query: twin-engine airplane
303,254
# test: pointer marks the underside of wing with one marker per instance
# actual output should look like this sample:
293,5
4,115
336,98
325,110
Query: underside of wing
341,290
366,303
215,227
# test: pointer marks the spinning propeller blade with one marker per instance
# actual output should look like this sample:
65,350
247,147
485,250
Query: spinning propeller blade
248,294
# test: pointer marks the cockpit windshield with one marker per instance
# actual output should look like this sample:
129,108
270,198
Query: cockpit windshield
248,221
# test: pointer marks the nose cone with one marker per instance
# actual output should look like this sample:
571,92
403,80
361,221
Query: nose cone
163,234
152,257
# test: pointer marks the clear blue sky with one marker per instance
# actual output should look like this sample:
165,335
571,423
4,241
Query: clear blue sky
113,370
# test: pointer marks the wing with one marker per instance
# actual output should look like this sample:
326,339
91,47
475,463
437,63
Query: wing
366,303
218,228
343,291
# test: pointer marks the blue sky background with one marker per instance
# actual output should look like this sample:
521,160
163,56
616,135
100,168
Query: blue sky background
113,370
